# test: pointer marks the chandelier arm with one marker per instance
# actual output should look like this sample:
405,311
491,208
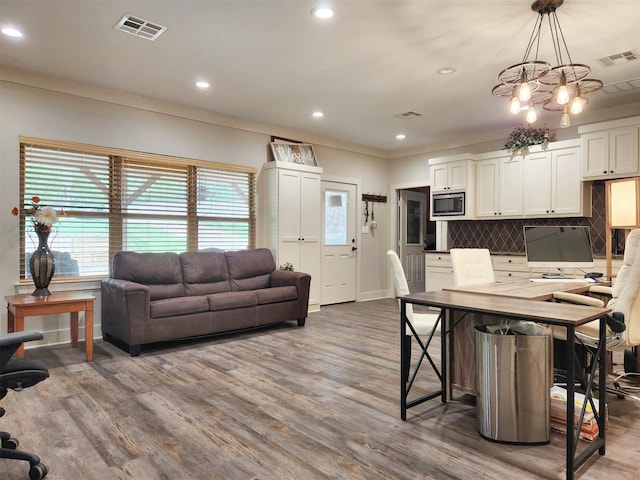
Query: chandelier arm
553,29
564,42
535,37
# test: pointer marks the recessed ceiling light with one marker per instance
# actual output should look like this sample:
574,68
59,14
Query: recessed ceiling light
446,70
317,114
202,84
12,32
401,136
322,12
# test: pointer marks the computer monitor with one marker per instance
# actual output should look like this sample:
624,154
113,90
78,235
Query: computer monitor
558,247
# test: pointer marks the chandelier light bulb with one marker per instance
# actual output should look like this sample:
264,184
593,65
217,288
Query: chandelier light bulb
565,121
563,91
515,105
576,106
576,103
563,95
531,114
525,92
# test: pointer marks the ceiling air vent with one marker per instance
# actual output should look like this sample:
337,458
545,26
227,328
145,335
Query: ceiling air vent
618,58
408,115
139,27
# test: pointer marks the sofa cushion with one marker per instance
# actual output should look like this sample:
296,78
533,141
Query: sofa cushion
204,273
169,307
250,269
277,294
228,300
161,272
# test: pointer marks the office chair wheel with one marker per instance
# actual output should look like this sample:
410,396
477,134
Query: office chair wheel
10,443
38,471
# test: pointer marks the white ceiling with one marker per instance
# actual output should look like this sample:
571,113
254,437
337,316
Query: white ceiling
270,61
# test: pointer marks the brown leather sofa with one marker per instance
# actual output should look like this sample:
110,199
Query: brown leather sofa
155,297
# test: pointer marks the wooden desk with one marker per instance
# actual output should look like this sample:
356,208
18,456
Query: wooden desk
21,306
525,289
462,349
568,316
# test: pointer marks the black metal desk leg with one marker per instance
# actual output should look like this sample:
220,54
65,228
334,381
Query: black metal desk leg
602,385
445,314
571,441
403,371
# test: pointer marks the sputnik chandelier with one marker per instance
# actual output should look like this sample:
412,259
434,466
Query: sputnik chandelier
533,82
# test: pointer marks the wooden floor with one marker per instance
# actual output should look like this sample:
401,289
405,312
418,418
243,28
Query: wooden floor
319,402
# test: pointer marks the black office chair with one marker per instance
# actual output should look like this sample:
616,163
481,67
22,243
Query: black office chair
17,374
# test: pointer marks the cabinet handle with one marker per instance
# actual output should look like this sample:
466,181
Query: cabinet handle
604,171
610,171
509,261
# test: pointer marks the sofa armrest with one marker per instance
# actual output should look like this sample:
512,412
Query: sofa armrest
302,282
125,309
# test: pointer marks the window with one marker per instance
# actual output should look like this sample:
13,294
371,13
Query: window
117,200
336,218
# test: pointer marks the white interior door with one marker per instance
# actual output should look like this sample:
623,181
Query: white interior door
412,218
339,247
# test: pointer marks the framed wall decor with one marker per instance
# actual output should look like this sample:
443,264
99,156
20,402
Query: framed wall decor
300,153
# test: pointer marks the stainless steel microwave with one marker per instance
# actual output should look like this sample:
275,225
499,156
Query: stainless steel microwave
447,204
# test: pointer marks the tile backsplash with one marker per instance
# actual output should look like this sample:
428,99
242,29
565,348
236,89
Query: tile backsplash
506,236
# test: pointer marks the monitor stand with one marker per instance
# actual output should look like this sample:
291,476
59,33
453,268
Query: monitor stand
555,275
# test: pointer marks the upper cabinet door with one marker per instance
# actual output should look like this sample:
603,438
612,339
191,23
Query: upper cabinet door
487,178
449,176
610,153
623,151
510,199
457,175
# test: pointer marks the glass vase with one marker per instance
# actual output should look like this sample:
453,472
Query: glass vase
42,266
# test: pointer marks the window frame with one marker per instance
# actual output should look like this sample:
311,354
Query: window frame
115,216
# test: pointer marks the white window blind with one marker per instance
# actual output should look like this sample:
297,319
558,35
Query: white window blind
224,202
116,200
78,184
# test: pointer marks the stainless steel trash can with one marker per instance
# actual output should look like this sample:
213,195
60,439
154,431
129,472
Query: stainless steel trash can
513,378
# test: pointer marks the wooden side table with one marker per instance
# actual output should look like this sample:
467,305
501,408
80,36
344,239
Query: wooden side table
21,306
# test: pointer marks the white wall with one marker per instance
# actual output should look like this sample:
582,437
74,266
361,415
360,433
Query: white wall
47,108
38,112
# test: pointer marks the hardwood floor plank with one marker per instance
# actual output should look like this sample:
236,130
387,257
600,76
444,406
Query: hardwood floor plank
278,403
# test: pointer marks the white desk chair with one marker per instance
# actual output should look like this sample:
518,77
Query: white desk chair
423,323
625,303
471,266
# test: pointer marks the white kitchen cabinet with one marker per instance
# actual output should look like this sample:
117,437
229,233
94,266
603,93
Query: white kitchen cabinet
552,184
293,230
438,271
450,176
499,187
610,153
